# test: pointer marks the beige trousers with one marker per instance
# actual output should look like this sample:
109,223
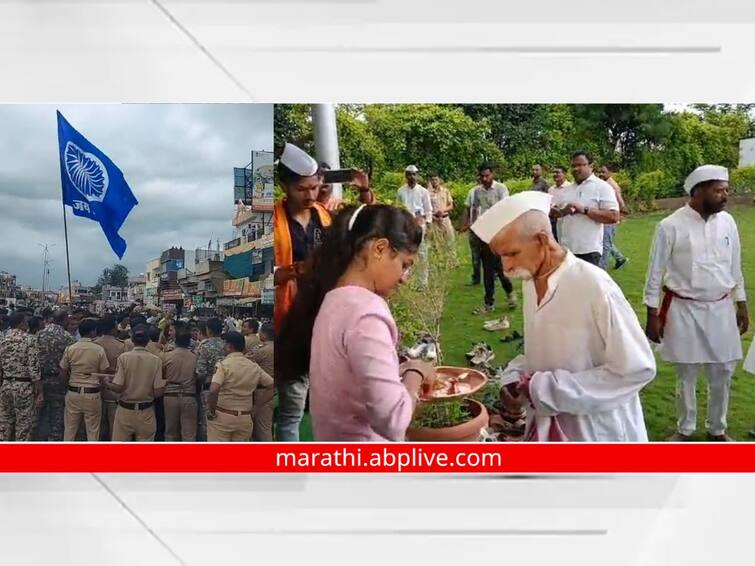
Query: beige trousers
180,418
229,428
263,415
86,407
130,425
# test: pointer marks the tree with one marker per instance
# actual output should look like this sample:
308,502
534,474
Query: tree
116,276
435,137
621,131
292,123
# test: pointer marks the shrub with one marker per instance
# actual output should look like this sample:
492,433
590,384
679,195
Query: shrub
650,186
743,180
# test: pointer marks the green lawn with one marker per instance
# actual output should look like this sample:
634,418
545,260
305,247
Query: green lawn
460,329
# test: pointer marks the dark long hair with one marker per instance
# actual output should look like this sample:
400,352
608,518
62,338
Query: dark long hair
326,266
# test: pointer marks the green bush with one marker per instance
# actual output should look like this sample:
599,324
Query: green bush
650,186
743,180
517,185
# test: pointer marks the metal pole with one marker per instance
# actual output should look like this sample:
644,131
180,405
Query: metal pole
68,259
326,139
44,268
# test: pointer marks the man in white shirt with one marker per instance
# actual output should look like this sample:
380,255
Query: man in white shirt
587,204
696,263
585,356
557,192
416,199
483,197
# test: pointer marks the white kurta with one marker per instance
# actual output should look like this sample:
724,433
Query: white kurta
698,260
587,355
749,364
417,201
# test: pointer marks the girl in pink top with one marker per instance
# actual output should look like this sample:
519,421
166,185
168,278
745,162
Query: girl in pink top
341,331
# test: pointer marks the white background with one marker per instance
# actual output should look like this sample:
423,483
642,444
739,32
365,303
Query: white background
352,51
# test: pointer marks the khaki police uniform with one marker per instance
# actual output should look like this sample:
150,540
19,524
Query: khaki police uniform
113,348
250,342
179,368
83,401
262,431
238,378
140,373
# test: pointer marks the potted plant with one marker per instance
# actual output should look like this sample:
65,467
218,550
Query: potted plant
458,420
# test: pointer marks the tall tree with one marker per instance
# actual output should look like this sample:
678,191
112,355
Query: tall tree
115,276
622,130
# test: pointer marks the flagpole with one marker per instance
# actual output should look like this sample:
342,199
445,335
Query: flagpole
68,260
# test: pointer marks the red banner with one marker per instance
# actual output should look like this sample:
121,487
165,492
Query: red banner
377,458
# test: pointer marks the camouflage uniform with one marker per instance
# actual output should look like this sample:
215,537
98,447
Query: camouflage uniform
209,353
19,367
53,341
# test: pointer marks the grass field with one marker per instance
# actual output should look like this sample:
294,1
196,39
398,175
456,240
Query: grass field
460,329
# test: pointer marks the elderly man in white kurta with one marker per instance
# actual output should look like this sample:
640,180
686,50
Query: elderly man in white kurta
585,356
694,279
416,199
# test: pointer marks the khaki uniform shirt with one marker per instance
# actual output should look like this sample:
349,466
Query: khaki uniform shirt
83,359
238,377
113,348
141,373
263,357
179,366
440,199
154,348
251,341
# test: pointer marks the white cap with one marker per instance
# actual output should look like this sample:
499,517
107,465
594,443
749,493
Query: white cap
705,173
298,160
504,212
411,169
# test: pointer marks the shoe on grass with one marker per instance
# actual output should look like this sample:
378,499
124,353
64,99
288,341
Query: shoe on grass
497,324
679,437
620,264
720,438
416,351
484,309
513,302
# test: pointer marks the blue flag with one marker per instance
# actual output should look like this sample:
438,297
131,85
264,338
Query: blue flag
92,184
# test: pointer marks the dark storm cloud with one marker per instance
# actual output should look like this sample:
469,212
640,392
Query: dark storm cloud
177,158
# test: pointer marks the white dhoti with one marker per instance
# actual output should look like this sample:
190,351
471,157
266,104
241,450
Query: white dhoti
698,332
701,336
749,365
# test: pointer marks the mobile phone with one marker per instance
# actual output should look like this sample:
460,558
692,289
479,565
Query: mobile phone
339,176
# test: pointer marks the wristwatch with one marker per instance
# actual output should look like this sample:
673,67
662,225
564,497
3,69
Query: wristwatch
586,210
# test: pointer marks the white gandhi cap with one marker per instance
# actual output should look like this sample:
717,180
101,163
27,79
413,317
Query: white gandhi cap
705,173
298,160
504,212
412,169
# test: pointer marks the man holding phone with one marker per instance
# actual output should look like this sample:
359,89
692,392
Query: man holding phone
299,222
416,199
351,176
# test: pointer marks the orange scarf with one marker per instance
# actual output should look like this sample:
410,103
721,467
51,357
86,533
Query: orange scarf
284,256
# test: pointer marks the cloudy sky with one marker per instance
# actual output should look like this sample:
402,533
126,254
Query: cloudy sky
177,158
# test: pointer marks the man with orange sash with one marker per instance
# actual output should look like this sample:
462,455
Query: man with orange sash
299,224
694,280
